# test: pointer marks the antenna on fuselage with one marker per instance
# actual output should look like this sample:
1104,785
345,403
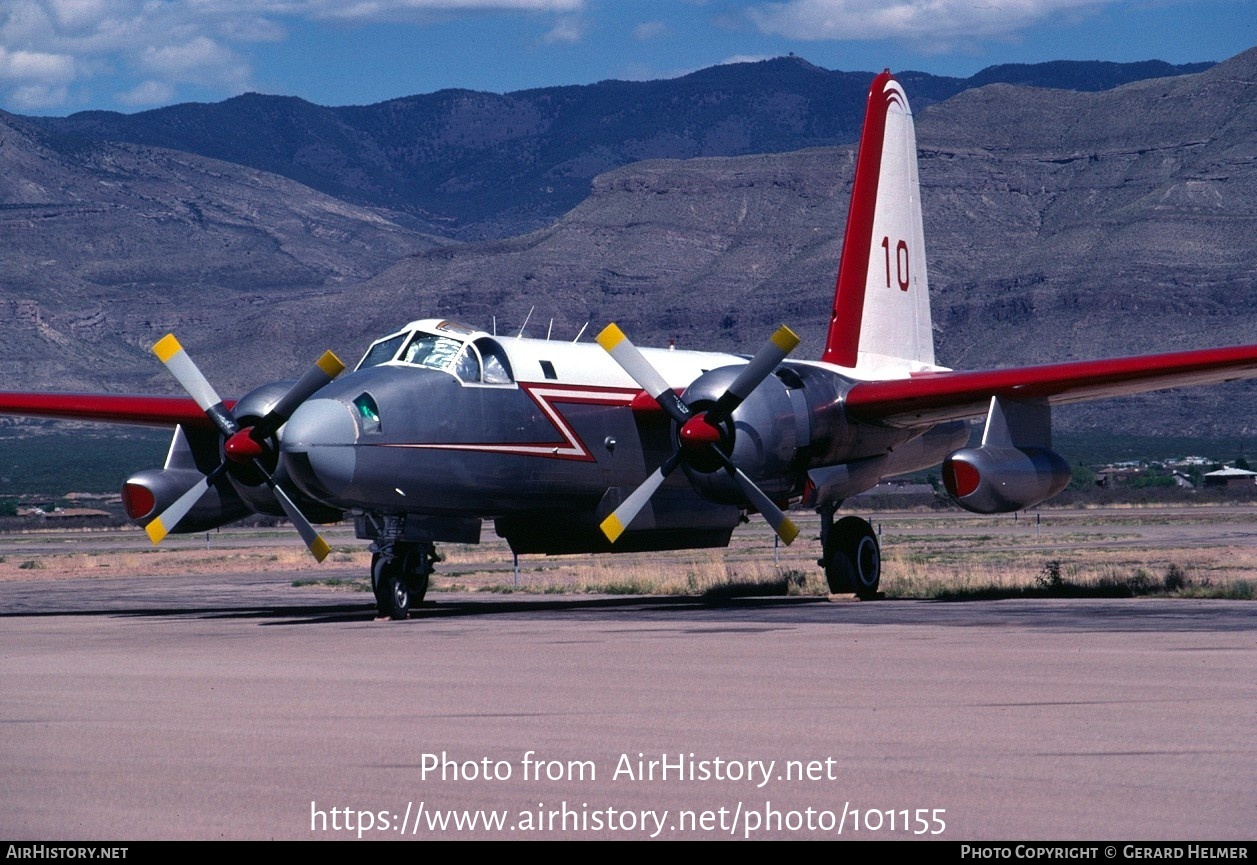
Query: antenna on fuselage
495,325
525,324
549,330
582,330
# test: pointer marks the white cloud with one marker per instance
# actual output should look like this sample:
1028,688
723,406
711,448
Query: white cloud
567,29
147,93
393,10
50,49
649,30
35,96
38,65
252,28
941,21
200,60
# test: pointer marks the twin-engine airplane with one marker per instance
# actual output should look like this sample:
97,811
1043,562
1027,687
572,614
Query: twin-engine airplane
574,447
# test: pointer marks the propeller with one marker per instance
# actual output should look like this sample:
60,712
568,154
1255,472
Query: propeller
242,446
698,433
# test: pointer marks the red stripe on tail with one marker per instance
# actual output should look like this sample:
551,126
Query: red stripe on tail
843,341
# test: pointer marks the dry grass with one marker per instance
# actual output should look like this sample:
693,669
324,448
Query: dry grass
686,573
1188,572
289,557
925,556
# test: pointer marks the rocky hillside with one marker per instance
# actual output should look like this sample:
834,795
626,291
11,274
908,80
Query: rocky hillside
105,244
471,165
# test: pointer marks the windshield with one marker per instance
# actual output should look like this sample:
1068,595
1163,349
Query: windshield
434,352
383,351
463,359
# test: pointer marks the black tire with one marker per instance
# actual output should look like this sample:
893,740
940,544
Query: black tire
416,568
392,591
853,558
375,582
839,572
418,585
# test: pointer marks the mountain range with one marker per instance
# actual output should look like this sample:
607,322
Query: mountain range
1102,210
475,166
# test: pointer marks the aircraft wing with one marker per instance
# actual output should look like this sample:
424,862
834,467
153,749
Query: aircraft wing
942,396
107,408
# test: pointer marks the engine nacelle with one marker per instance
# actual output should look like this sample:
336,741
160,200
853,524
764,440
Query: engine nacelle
762,437
147,494
793,421
249,484
994,480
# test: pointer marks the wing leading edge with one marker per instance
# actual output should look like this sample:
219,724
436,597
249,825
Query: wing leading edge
106,408
954,395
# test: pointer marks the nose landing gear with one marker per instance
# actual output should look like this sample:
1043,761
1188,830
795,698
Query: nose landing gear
399,576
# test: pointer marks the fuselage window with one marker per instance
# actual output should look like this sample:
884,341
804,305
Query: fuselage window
368,413
467,367
547,369
497,368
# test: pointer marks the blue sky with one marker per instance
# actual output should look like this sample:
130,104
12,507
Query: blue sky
61,56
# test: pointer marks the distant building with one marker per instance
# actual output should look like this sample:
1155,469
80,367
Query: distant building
1229,477
86,514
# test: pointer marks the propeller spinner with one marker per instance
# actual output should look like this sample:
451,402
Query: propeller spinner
242,446
699,434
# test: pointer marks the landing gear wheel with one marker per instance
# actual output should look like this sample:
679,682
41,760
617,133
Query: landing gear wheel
418,586
399,577
375,581
392,593
853,558
416,561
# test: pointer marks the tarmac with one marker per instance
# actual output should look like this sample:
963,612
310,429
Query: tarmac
241,707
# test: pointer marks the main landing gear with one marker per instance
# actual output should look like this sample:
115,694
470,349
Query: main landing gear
399,576
851,556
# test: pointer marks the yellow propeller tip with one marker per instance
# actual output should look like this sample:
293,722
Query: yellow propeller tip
788,531
156,531
610,336
331,365
785,339
319,548
167,347
612,528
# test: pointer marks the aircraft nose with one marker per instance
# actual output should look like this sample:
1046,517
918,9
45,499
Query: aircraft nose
318,447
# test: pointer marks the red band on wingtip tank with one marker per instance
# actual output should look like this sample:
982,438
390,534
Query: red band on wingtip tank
959,478
844,324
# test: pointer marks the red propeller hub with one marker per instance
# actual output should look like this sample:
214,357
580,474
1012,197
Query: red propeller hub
696,433
242,448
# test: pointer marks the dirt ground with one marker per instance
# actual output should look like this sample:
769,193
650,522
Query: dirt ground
923,551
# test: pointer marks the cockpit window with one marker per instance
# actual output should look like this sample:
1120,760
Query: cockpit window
383,351
497,369
467,367
434,352
482,361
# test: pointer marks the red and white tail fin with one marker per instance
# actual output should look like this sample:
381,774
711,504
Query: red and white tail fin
880,327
